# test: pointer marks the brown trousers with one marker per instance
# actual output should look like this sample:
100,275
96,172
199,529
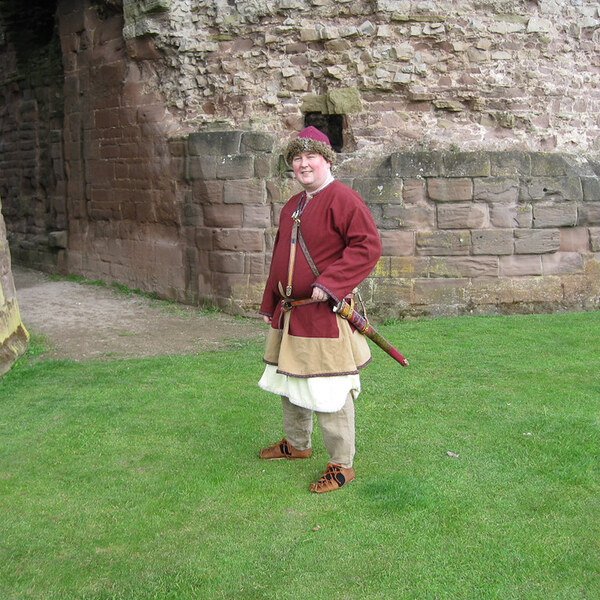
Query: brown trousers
337,429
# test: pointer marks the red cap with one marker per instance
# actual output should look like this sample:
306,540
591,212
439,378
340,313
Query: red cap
314,134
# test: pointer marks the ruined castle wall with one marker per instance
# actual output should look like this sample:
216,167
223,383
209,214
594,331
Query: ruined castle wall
150,155
425,75
462,232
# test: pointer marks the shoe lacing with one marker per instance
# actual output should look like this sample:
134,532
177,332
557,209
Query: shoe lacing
332,473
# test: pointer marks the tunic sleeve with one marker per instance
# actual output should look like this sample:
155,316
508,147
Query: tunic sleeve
270,297
362,250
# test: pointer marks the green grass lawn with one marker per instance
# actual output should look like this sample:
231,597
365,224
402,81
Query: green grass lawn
140,479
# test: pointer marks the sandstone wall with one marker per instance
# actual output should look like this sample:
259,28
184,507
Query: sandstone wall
149,154
13,335
425,75
462,232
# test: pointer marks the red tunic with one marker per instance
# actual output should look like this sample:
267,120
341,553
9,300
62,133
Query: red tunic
342,239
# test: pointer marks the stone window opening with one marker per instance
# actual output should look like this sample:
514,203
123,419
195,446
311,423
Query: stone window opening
331,125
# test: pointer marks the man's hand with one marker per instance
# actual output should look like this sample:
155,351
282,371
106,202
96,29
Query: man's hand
267,320
319,294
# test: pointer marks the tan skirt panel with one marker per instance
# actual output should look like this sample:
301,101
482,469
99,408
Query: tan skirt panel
313,357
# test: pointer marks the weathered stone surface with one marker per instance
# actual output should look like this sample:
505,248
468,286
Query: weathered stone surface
214,143
467,164
443,243
510,164
591,189
493,241
239,240
468,266
507,217
595,239
13,335
417,164
462,216
589,214
555,215
409,267
239,166
575,239
244,191
412,217
219,215
397,243
562,263
503,190
536,241
518,266
450,190
551,188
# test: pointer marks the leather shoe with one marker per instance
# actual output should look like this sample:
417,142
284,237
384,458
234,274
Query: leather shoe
283,450
334,477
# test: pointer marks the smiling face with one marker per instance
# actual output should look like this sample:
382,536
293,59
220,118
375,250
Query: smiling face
311,170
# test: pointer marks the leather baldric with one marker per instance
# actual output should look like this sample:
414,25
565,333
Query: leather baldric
296,239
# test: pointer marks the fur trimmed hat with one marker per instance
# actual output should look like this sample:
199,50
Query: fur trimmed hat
310,139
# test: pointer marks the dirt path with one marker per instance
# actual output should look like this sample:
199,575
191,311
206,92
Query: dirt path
83,322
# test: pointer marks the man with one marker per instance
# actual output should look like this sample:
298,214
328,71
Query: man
327,243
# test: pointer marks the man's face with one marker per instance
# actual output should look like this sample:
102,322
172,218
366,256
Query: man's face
311,170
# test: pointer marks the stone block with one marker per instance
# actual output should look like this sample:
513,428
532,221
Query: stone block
575,239
446,292
245,191
200,167
563,214
546,289
519,266
204,240
550,188
462,216
223,215
207,192
413,191
168,255
591,189
415,217
257,216
239,166
239,240
255,264
378,190
443,243
450,190
227,262
343,101
562,263
503,190
409,267
466,164
544,164
397,243
417,164
215,143
595,239
493,241
265,165
468,266
256,142
58,239
508,217
589,214
540,241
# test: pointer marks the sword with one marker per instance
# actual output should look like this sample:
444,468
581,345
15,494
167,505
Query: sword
345,311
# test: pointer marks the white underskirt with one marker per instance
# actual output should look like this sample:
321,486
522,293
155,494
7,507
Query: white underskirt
323,394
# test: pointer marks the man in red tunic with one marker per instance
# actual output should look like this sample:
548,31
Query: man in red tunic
327,243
